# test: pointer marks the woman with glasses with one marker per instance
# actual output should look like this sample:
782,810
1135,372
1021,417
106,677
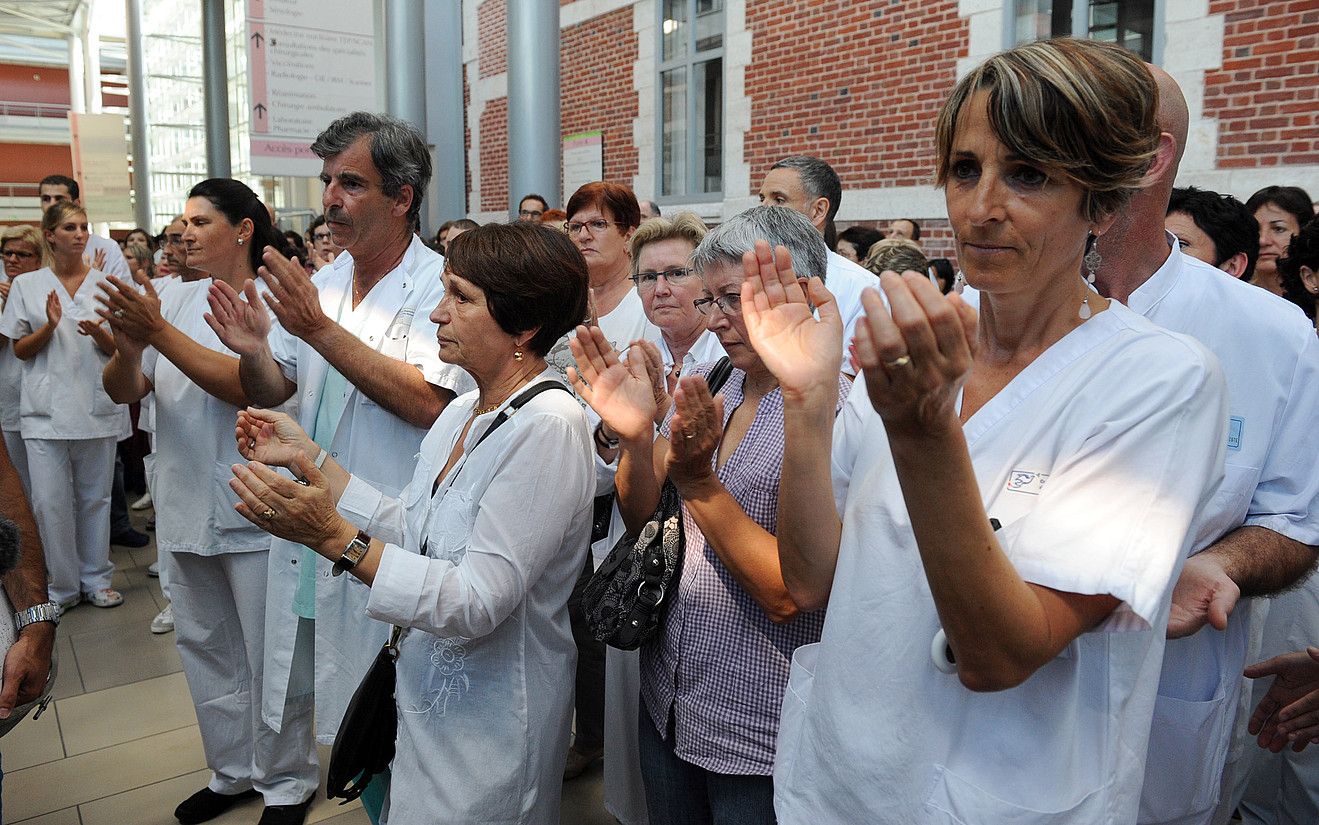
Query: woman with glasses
713,678
23,253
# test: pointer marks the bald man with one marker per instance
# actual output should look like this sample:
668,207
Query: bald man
1257,536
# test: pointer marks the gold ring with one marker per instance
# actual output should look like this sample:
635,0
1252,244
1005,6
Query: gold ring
268,514
689,435
900,361
118,313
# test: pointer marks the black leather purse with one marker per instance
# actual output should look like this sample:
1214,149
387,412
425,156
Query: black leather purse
625,600
364,745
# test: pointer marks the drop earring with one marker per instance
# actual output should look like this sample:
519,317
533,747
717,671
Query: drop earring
1092,262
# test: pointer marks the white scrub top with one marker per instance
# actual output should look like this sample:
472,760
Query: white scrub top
62,396
1270,359
11,383
846,279
485,675
195,444
1094,459
370,442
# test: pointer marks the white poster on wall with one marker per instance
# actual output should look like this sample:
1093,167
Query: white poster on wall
583,160
308,63
99,145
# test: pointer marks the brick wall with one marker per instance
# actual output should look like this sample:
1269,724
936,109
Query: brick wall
467,137
596,59
829,83
494,156
492,37
1267,93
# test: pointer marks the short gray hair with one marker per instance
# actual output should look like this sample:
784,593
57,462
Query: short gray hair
397,149
778,226
818,179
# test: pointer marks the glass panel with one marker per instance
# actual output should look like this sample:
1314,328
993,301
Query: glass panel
708,85
673,151
1034,19
709,24
674,29
1128,23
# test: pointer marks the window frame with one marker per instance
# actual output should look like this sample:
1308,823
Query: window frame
1081,22
693,183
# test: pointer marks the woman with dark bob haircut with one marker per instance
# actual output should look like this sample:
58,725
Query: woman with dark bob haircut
476,559
1299,270
1281,211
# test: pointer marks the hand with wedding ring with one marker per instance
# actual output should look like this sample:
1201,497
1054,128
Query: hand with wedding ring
695,431
130,311
282,507
917,355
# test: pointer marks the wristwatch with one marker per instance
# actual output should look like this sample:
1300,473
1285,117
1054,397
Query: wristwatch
44,612
603,440
353,553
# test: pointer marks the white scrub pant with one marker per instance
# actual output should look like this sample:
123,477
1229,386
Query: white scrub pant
219,625
18,457
71,501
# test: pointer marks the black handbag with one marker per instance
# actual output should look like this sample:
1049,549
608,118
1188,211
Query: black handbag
364,745
625,600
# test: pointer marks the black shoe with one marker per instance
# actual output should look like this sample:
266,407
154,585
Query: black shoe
130,538
206,805
286,814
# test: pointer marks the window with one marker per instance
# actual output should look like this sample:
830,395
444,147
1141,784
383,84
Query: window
1128,23
691,91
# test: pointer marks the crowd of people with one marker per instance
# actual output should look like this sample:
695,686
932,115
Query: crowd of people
999,539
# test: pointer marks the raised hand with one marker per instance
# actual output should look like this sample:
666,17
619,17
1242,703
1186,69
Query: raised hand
916,356
54,309
242,325
100,336
1289,712
130,312
620,393
695,431
272,438
98,260
654,362
803,353
293,297
303,513
4,293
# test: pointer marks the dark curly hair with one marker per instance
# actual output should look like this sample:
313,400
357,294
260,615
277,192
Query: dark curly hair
1302,251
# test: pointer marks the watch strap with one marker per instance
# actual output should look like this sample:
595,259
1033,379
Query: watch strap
353,553
43,612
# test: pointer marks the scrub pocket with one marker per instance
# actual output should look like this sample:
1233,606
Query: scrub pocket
1188,784
956,801
225,520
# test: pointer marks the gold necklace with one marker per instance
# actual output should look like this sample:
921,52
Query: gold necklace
484,410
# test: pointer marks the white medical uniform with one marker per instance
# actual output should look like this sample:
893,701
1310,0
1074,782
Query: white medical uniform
218,566
1094,459
1270,359
115,262
69,428
485,674
846,279
370,442
11,391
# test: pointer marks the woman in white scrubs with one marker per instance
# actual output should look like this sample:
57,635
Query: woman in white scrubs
69,424
217,560
1015,490
23,252
477,558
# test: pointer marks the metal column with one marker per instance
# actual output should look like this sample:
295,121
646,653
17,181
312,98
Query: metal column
444,109
215,90
137,107
534,136
77,75
405,44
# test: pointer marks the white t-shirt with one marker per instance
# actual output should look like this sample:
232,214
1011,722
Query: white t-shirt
62,396
846,279
1095,459
485,674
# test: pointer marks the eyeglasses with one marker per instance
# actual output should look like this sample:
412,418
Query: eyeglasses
529,213
174,240
678,275
730,304
320,236
596,226
17,253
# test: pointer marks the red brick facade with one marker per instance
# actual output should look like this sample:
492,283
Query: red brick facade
494,156
1266,95
492,37
596,60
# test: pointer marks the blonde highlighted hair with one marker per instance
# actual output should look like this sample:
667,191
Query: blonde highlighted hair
896,255
684,226
29,235
1079,108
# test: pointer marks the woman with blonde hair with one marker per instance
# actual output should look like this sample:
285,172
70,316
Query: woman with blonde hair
23,253
1016,489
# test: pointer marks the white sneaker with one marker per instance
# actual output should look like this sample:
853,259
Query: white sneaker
142,503
164,621
153,570
107,597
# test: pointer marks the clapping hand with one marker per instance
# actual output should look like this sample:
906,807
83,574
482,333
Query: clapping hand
242,325
654,362
96,261
101,336
54,309
272,438
916,356
695,431
1289,712
130,312
621,393
292,297
303,513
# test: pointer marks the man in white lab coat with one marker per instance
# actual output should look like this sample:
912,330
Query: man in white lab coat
1256,537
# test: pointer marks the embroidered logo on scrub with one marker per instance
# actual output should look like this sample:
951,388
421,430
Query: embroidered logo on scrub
1235,425
1024,481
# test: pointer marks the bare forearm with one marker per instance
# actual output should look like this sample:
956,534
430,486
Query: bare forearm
25,584
34,342
123,379
1262,562
395,385
262,380
214,372
808,527
635,482
749,551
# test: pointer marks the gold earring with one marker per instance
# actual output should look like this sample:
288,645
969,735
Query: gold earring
517,355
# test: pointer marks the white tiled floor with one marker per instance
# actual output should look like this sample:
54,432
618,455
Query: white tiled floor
119,745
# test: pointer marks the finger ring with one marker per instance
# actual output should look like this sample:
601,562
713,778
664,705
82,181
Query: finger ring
689,436
268,514
251,443
118,313
900,361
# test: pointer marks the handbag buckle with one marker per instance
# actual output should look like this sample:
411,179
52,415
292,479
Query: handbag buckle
657,590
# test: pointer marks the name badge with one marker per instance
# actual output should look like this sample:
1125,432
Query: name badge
1025,481
1235,425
